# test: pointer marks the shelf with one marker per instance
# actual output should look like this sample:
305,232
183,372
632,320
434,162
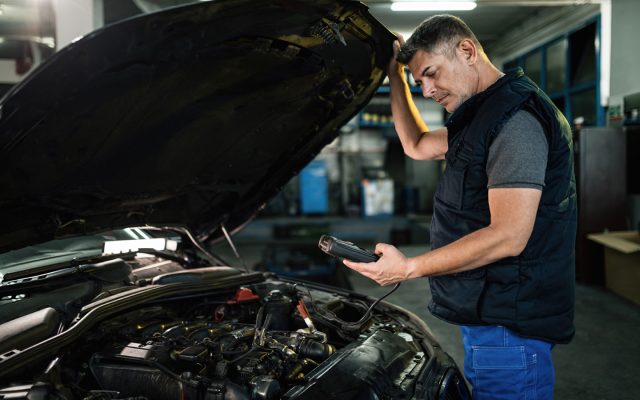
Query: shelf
385,89
363,124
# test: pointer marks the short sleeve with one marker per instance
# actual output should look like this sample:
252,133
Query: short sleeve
518,155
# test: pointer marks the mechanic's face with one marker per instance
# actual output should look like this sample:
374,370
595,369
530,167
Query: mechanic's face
448,80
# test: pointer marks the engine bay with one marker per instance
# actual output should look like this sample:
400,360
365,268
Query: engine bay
269,339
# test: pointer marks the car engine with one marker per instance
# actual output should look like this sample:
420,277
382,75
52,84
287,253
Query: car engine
264,338
214,350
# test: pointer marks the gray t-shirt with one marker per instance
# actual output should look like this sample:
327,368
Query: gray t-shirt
518,155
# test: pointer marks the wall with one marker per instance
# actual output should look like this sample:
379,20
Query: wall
8,71
625,78
74,18
625,51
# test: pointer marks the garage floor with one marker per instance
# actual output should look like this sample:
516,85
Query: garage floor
602,362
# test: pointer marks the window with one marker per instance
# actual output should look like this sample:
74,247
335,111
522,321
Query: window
556,62
511,65
566,68
583,55
582,105
533,66
559,102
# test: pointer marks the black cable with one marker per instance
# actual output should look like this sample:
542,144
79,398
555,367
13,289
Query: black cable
343,322
375,303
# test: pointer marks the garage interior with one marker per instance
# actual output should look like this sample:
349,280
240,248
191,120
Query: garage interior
362,188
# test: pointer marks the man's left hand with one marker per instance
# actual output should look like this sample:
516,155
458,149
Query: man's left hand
392,267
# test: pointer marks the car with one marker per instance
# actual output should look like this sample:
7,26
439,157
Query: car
127,154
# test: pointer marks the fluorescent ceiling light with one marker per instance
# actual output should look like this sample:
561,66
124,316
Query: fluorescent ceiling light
433,5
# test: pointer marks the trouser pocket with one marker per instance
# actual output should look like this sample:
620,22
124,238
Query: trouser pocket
502,365
503,373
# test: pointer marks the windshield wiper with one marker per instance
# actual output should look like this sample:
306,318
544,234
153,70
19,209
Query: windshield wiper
112,270
62,263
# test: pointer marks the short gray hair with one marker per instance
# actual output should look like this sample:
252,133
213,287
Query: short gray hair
437,34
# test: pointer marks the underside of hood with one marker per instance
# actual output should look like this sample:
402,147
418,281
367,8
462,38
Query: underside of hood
193,116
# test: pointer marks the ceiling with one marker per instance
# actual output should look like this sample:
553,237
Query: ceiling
26,19
490,20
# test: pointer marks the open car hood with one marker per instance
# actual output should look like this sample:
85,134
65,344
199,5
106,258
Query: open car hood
193,116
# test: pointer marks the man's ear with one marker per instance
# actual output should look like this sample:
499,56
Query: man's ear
468,50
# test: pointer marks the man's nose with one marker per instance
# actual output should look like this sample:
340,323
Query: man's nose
428,89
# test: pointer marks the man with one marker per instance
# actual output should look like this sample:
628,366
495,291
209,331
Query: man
504,218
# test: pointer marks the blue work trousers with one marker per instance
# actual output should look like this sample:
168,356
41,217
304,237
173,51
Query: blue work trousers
502,365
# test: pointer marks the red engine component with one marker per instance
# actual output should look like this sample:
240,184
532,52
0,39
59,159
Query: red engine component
242,295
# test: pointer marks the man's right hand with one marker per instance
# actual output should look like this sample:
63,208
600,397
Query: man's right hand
395,69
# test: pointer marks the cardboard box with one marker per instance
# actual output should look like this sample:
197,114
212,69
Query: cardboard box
621,262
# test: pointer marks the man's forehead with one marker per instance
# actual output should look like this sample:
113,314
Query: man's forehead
422,60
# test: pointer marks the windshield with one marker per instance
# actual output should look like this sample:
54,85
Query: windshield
63,251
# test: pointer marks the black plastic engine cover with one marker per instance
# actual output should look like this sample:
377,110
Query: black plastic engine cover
365,371
135,377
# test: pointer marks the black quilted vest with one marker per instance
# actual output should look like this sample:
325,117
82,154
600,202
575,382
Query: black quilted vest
533,293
